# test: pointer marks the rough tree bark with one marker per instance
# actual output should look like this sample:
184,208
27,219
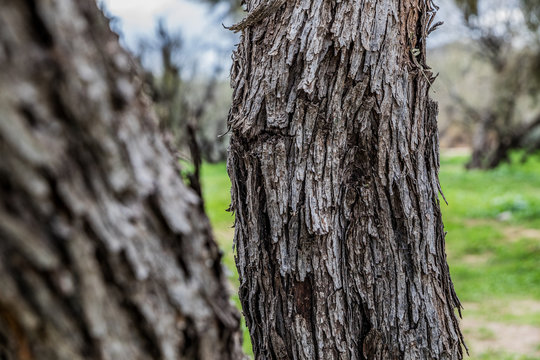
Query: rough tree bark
334,168
104,253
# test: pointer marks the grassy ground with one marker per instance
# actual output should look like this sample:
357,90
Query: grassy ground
493,246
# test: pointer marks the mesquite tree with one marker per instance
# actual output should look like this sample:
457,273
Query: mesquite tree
104,252
334,165
511,50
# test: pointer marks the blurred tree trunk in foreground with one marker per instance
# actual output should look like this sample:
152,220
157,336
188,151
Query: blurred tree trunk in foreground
334,161
104,253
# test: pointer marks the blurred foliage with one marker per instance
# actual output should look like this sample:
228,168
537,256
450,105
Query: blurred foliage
531,11
468,7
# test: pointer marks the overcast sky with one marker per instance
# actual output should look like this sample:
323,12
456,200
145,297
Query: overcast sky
201,25
196,19
193,18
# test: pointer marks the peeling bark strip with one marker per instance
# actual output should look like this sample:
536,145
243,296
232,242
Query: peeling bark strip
104,252
334,163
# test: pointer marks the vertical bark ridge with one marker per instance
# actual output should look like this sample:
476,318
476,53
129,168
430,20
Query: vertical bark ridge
105,253
334,169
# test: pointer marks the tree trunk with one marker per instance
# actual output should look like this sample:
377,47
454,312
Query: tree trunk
104,253
482,141
334,168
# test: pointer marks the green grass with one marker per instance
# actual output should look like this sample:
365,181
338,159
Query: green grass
216,191
482,204
493,355
513,188
490,266
217,194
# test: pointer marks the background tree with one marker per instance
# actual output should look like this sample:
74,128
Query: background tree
333,161
185,95
191,103
105,254
511,119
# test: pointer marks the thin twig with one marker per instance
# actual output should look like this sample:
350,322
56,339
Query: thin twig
258,14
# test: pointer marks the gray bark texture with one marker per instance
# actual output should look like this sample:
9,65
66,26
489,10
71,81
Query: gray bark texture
104,252
334,168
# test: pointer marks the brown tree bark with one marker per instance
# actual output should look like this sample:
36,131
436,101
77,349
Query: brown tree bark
104,252
334,167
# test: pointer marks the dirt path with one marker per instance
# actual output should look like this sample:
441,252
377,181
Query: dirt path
511,232
484,336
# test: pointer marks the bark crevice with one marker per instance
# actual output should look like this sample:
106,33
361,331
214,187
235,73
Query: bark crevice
349,179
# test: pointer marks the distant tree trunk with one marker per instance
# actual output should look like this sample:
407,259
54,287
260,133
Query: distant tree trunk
492,144
481,141
334,167
104,253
